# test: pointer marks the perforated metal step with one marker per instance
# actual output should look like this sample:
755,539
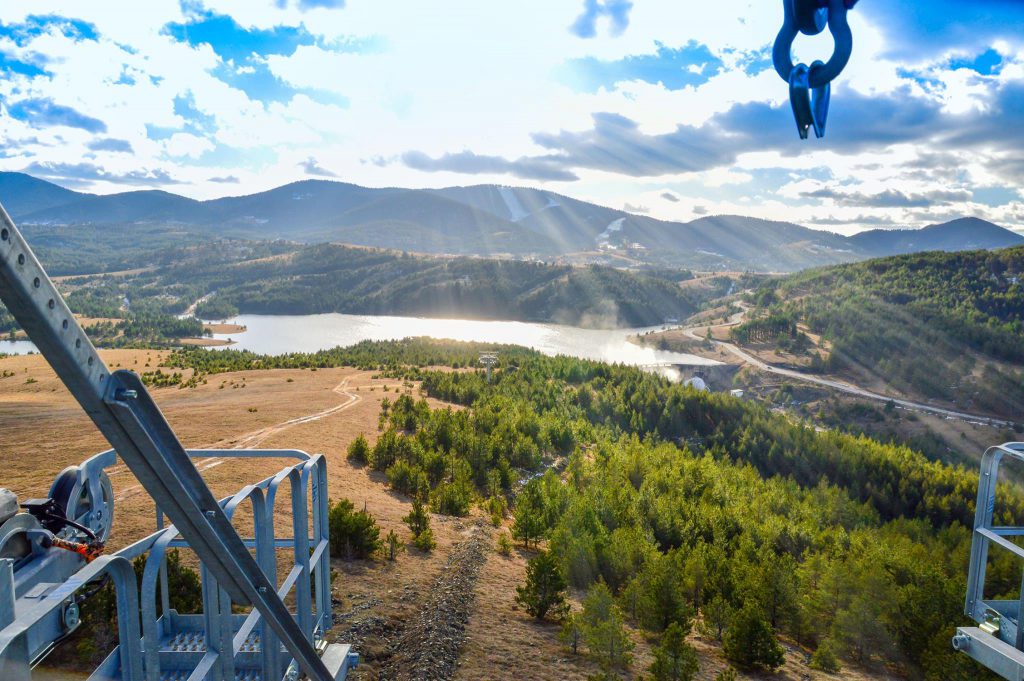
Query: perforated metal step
195,642
240,675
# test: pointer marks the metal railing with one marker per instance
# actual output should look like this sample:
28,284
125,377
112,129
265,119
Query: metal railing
998,640
215,644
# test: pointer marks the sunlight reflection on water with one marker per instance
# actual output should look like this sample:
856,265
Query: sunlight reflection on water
279,334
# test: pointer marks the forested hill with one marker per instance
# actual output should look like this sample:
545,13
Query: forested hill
691,509
942,325
330,278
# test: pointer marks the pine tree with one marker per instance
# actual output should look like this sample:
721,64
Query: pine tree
529,523
571,634
750,643
674,658
824,658
424,541
393,544
418,519
662,595
544,591
603,632
353,534
359,450
716,617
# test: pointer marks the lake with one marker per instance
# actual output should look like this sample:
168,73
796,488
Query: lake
17,347
280,334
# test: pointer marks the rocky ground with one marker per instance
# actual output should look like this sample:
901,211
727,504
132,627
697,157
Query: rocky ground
429,644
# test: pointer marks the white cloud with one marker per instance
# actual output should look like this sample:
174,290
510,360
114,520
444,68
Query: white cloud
185,144
462,75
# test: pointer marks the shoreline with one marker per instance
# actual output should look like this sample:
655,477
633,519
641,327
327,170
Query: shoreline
205,342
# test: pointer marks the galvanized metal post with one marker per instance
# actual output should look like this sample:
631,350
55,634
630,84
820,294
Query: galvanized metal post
6,589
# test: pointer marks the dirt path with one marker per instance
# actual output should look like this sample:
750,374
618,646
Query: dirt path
250,440
190,311
430,643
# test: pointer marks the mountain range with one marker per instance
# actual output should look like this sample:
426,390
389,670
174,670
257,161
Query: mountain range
486,220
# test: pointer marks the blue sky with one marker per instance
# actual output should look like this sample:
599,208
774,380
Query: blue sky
667,107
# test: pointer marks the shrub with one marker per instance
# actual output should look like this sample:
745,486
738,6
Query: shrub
452,498
359,450
504,544
418,521
824,658
424,541
393,544
407,478
496,507
354,534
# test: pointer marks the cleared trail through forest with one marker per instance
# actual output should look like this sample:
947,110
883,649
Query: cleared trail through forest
430,643
250,440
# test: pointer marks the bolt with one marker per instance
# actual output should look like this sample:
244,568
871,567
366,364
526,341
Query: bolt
210,514
122,394
262,589
961,642
71,615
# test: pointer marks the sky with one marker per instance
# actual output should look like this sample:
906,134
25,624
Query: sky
669,108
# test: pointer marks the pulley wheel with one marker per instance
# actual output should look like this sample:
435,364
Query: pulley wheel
90,504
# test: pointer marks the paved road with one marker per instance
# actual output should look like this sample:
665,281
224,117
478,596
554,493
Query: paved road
837,385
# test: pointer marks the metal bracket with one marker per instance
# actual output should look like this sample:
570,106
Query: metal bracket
125,413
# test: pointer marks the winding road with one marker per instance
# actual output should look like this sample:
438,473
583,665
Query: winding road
841,386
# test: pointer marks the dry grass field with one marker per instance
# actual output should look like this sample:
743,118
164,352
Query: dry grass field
42,430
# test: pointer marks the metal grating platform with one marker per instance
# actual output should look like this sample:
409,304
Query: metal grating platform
239,676
195,642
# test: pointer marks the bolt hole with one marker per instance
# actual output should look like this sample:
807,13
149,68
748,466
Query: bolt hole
4,234
90,361
36,282
78,342
51,304
102,377
64,324
21,258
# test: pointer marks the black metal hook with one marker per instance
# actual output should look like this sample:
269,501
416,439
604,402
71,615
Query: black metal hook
810,86
810,105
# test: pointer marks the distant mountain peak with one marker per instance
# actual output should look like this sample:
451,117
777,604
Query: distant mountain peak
490,219
964,233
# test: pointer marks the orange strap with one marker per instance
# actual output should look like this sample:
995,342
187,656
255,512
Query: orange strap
89,552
